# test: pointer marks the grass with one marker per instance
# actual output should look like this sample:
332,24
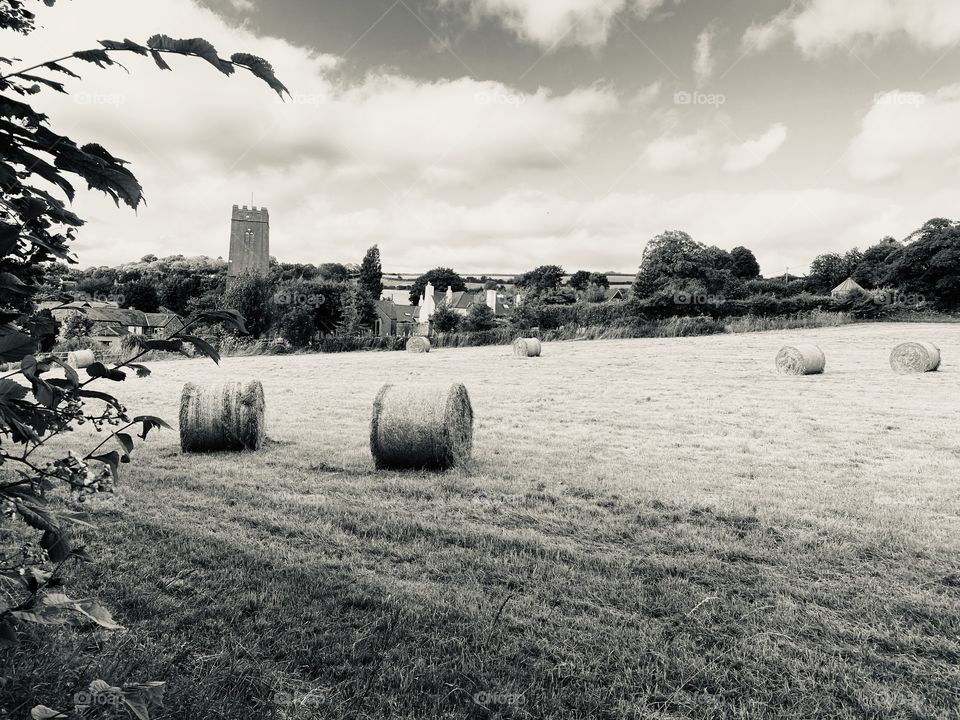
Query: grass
658,528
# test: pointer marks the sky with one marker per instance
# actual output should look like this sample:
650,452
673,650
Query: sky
498,135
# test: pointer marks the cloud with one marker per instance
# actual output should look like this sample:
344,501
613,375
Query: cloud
753,153
704,64
682,153
821,25
904,128
555,23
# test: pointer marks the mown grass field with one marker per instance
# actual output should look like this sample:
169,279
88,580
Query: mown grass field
649,529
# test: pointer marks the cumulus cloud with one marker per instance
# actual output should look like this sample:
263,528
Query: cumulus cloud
754,152
820,25
554,23
903,128
673,153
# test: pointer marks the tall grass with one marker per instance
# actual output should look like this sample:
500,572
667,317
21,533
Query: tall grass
812,319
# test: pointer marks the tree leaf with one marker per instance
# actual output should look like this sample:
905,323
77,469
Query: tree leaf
202,346
149,423
99,370
15,346
111,460
57,545
42,712
126,442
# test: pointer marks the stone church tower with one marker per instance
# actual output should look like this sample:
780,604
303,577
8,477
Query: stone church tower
249,242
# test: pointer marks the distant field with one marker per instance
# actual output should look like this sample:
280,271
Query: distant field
650,529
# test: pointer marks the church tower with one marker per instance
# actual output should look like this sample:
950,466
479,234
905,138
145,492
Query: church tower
249,242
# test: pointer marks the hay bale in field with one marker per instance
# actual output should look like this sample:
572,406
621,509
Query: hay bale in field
801,360
421,427
915,357
81,358
418,345
526,347
227,416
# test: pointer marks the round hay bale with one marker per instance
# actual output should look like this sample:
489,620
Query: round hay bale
526,347
421,427
81,358
227,416
418,345
801,360
915,357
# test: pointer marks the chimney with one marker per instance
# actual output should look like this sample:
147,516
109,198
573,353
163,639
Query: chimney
449,294
429,303
492,300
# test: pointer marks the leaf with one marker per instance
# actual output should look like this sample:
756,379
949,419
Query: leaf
68,370
191,46
158,59
230,318
15,346
60,68
49,83
164,345
261,69
36,518
8,634
203,346
149,423
126,442
99,370
42,712
140,697
111,460
97,395
125,45
10,390
141,370
97,57
57,545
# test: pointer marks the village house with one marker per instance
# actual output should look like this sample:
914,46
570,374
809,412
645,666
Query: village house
113,323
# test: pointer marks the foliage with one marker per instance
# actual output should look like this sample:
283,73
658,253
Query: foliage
297,326
830,269
541,280
141,295
445,320
929,265
745,265
77,325
480,317
441,278
371,273
40,407
875,263
252,296
579,280
334,272
673,261
599,279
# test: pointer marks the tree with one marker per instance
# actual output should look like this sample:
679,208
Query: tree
579,280
875,264
371,273
745,265
252,297
445,319
441,278
673,261
297,327
929,265
77,325
334,272
826,272
599,279
480,317
37,228
541,280
141,295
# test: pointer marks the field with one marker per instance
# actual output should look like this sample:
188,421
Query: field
649,529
